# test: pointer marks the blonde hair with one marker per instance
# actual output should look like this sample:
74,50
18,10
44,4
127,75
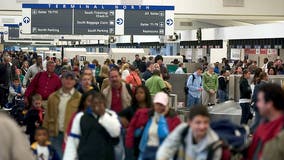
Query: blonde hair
125,66
104,71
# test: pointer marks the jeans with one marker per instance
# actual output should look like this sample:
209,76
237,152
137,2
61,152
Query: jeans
192,100
57,143
222,96
245,113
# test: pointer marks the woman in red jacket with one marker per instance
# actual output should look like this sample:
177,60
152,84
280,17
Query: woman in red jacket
152,125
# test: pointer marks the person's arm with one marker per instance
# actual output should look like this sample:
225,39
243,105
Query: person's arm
111,123
161,84
163,129
216,83
31,88
171,144
204,84
12,91
27,77
73,139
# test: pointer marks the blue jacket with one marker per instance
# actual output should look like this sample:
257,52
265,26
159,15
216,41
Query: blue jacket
163,132
194,85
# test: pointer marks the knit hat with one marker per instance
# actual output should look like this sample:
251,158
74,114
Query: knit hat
161,98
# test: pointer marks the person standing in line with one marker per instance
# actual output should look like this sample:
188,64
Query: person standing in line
149,71
222,87
44,83
264,67
5,80
210,86
32,71
245,97
194,85
61,105
180,69
137,62
47,58
156,84
164,71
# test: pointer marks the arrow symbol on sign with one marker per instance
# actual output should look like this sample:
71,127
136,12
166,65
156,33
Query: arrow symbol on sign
26,20
169,22
119,21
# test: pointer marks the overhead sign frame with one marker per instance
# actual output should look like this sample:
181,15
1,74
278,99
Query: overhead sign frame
115,25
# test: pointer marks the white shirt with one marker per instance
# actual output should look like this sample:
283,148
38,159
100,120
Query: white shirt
124,74
44,64
42,152
64,98
179,71
153,138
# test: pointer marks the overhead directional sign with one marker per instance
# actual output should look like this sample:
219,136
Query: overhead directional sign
84,19
94,22
13,31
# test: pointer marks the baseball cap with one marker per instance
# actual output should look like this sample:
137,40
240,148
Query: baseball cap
68,74
162,98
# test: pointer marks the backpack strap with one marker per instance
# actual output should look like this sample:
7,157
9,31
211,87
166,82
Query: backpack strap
129,89
212,148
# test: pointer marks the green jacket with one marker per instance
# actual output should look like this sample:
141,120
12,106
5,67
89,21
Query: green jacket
210,82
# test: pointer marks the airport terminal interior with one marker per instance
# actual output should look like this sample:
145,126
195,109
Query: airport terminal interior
142,80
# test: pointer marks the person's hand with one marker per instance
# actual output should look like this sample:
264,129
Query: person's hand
200,89
124,122
19,94
37,124
211,91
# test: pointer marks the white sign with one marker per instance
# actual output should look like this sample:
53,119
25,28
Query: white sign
188,53
235,54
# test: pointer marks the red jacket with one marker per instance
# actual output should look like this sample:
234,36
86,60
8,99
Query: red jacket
43,84
140,119
264,133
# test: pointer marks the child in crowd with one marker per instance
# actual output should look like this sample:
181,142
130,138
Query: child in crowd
42,149
93,134
34,117
15,90
191,140
20,75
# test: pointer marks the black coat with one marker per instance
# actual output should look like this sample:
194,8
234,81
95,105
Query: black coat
31,118
245,90
95,141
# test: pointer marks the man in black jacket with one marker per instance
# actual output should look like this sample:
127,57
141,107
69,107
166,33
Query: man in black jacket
6,76
245,97
149,72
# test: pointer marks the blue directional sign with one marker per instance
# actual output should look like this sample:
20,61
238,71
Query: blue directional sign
119,21
26,20
169,22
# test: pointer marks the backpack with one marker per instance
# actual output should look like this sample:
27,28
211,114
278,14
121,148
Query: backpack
186,88
233,139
